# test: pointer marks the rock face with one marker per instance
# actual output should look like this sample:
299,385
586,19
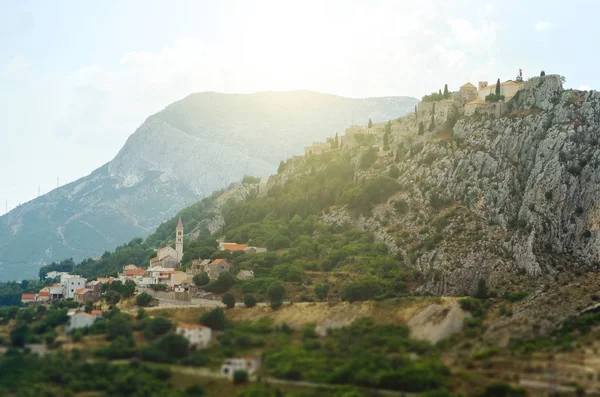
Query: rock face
491,198
176,157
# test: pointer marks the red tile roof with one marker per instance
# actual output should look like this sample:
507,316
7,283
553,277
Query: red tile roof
234,247
194,326
97,312
217,261
81,291
28,296
44,293
135,272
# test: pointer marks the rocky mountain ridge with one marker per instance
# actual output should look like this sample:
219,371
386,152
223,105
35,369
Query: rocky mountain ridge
490,197
193,147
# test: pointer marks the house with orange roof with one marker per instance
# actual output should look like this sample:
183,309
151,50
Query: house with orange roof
28,298
198,335
85,295
160,275
217,267
232,246
44,295
96,312
105,280
80,320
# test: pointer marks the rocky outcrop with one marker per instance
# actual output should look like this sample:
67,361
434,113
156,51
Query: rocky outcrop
495,196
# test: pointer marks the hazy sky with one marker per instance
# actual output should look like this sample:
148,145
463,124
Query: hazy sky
78,77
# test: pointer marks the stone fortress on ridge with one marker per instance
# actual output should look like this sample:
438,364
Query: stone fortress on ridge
436,113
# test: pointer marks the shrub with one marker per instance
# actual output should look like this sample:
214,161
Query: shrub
222,284
500,389
228,300
156,327
367,159
548,195
144,299
401,206
515,296
276,293
249,300
321,291
201,279
394,172
214,319
361,290
240,377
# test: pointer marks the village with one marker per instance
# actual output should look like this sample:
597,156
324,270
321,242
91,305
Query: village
432,115
163,280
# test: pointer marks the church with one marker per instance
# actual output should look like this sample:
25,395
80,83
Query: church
169,257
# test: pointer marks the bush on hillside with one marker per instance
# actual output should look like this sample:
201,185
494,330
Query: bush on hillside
201,279
249,300
214,319
229,300
276,293
144,299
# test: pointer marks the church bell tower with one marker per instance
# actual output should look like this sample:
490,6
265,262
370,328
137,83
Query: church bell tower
179,240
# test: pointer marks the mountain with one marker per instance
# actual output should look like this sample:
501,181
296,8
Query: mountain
193,147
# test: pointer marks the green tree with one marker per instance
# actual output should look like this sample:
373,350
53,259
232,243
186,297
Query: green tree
18,335
370,124
276,294
156,327
201,279
337,141
421,128
144,299
446,92
173,345
228,300
249,300
394,172
240,377
498,87
542,73
321,291
214,319
222,284
119,325
432,125
482,290
440,93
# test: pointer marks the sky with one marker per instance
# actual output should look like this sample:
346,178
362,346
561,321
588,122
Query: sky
78,77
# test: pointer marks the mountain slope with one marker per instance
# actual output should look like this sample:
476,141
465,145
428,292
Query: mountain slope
179,155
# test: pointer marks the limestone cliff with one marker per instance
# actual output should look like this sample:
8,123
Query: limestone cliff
493,197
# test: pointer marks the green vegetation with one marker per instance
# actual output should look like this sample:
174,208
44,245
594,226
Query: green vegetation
228,300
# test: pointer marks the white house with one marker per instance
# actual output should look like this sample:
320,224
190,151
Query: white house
159,274
53,274
248,364
198,335
81,320
70,284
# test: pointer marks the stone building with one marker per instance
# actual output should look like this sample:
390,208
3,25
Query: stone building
168,256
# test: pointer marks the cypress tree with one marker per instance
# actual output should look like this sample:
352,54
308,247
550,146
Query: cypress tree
446,93
498,87
440,92
370,124
432,125
542,73
415,109
421,128
336,143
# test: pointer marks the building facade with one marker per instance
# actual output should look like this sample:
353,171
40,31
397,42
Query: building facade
199,336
